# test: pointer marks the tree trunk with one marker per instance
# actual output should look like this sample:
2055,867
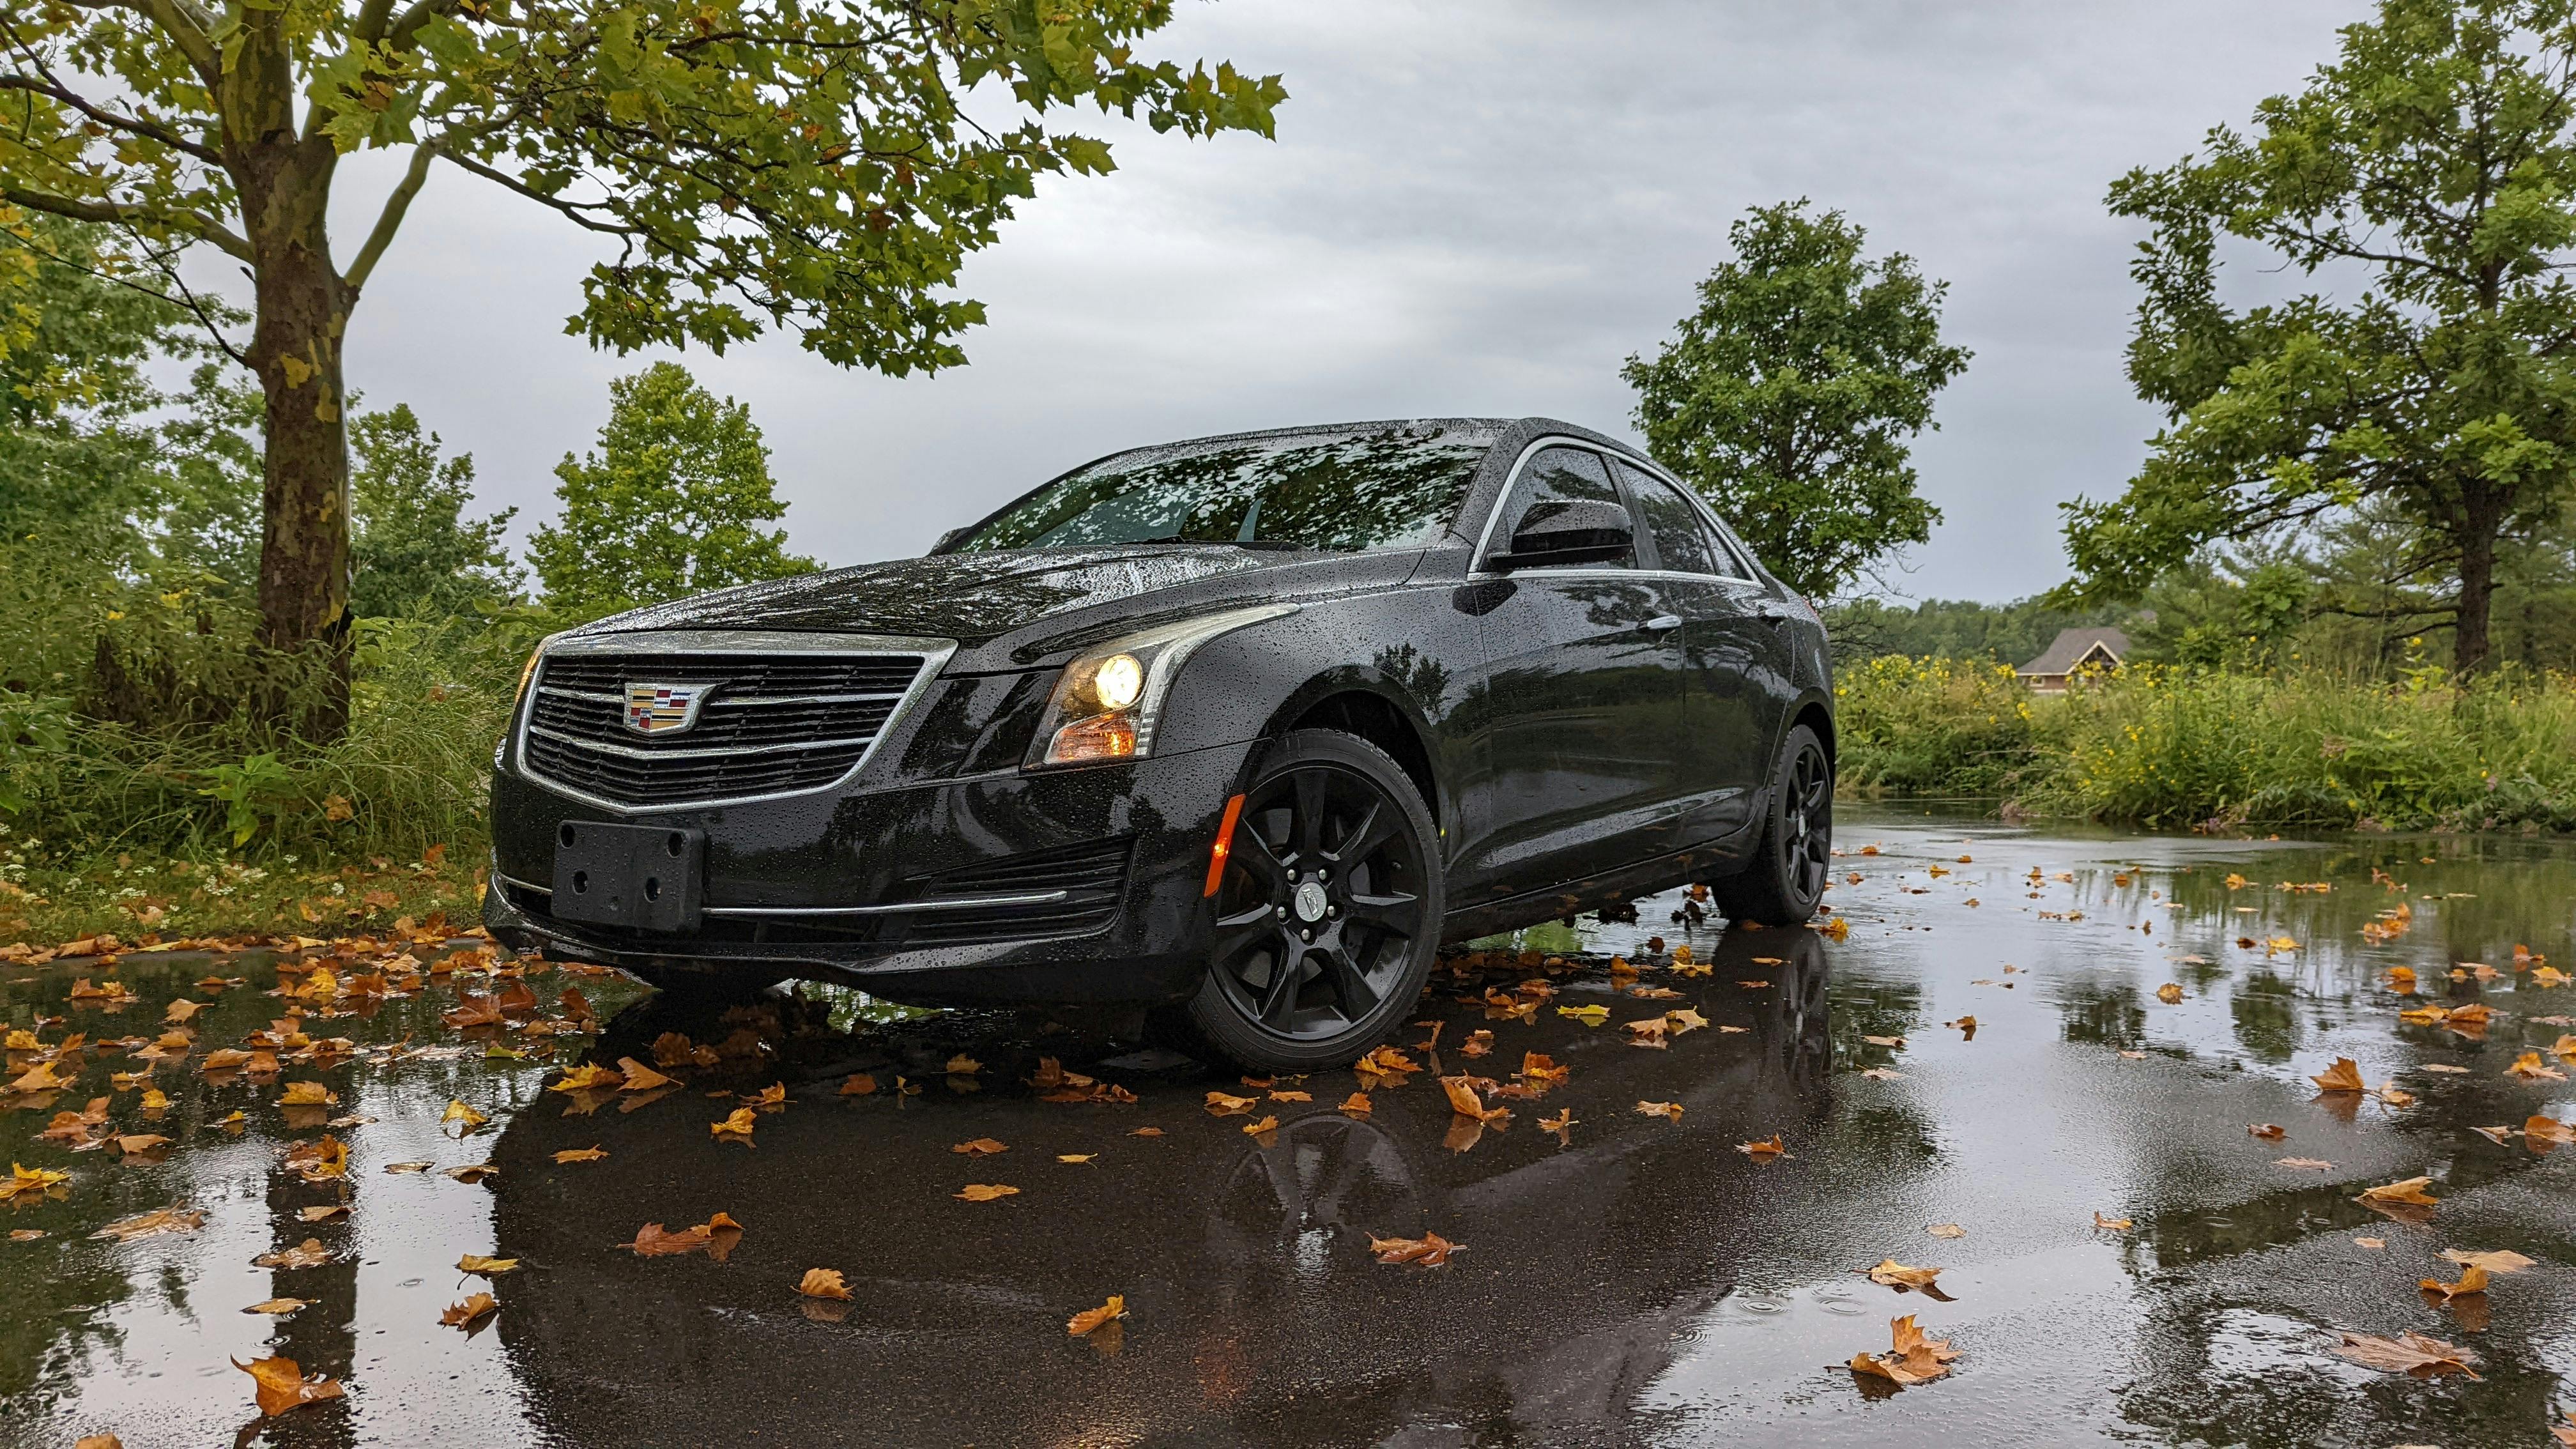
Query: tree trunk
2469,639
303,306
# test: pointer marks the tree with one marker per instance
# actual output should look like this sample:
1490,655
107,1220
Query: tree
1790,398
668,504
2432,163
807,164
417,553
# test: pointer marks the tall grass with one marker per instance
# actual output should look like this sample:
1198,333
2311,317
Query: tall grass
2163,747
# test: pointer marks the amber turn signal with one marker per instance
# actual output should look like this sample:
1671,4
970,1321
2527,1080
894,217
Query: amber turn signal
1102,737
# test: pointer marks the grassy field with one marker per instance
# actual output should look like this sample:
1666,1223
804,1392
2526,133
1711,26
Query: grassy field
2185,749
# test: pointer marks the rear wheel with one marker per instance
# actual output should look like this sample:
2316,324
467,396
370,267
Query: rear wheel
1328,912
1786,879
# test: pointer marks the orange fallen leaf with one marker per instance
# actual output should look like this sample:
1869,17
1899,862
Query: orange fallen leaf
1892,1274
859,1084
283,1386
589,1077
655,1241
277,1307
2408,1353
1947,1230
1081,1324
1255,1129
984,1192
637,1077
1669,1110
822,1283
2310,1164
488,1267
1765,1149
1223,1104
2268,1131
2473,1279
2170,993
2530,1067
1355,1105
2548,1129
1562,1124
581,1154
2498,1260
980,1147
2117,1225
1430,1250
2409,1191
737,1126
463,1315
1913,1360
2343,1076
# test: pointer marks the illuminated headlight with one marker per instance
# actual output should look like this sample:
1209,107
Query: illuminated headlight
1106,704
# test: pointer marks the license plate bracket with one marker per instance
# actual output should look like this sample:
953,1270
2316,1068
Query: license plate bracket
646,877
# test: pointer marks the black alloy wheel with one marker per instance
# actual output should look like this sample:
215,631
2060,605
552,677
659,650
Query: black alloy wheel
1328,912
1785,881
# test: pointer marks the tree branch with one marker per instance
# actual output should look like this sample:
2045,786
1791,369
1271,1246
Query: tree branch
571,210
196,223
188,27
390,220
132,125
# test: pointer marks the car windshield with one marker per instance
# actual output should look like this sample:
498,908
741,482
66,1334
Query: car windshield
1395,486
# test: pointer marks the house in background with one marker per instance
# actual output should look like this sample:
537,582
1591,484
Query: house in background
2096,647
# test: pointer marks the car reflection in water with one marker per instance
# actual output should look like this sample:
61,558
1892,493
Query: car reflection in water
1256,1312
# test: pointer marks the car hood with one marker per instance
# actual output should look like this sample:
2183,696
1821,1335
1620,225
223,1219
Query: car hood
1027,602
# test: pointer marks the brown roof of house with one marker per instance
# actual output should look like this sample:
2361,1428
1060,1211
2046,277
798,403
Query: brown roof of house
2073,644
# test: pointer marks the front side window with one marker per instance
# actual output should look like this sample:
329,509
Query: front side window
1552,478
1391,487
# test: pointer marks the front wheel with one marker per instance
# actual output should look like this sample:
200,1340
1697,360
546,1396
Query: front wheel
1786,878
1328,911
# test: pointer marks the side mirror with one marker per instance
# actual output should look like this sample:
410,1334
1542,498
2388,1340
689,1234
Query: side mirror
945,539
1568,531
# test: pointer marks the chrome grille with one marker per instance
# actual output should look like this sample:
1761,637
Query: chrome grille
771,722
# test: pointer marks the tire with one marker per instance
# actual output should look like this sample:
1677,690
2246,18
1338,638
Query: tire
1785,880
1334,874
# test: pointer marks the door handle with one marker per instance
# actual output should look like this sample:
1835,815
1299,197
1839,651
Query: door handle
1662,622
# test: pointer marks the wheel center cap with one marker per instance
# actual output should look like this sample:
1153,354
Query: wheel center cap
1310,902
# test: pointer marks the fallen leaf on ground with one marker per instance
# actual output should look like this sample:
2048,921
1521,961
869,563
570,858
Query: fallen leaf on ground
1592,1015
2268,1131
157,1221
984,1192
463,1315
736,1126
323,1214
488,1267
308,1094
1088,1319
2530,1067
1671,1110
962,1065
2343,1076
2547,1129
979,1147
581,1154
1765,1149
472,1172
822,1283
1562,1124
2310,1164
2408,1353
403,1167
1914,1359
2117,1225
2170,994
656,1241
1224,1104
1947,1230
634,1076
1430,1250
1885,1041
308,1254
858,1084
276,1307
2373,1243
1157,1131
2409,1191
30,1181
283,1386
459,1112
1355,1105
2473,1279
1892,1274
1270,1124
589,1077
1075,1157
1465,1102
2496,1260
2392,1095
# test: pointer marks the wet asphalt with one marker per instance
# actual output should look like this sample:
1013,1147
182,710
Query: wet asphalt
1642,1281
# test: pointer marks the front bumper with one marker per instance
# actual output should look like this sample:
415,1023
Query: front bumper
1101,871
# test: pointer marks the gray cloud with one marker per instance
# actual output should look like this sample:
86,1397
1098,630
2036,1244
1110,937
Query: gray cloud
1474,206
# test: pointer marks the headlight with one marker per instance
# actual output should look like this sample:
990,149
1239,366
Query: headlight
1106,705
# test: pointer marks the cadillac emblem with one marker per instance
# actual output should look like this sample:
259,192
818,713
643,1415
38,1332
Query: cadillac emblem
662,709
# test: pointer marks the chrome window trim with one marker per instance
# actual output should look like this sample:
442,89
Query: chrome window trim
933,653
1511,480
1734,547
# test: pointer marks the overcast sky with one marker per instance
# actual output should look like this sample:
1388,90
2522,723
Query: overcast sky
1473,207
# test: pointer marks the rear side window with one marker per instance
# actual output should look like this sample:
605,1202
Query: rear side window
1552,478
1681,537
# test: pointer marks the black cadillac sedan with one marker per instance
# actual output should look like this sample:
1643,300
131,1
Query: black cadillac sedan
1236,730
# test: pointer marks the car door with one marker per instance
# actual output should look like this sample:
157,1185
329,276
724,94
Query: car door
1578,762
1733,656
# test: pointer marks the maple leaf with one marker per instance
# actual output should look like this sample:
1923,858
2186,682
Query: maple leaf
1914,1359
823,1283
736,1127
980,1147
319,1161
153,1223
2498,1260
1221,1104
472,1172
467,1117
962,1065
30,1181
2408,1353
655,1241
984,1192
488,1267
2343,1076
858,1084
464,1315
1669,1110
2408,1191
323,1213
773,1095
473,1011
1562,1124
2544,1129
1265,1125
1684,1019
1430,1250
1075,1157
283,1386
637,1077
581,1154
2473,1279
2530,1067
276,1307
589,1077
1464,1101
1765,1149
308,1254
1892,1274
1646,1033
1081,1324
308,1094
2269,1132
2117,1225
1355,1105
